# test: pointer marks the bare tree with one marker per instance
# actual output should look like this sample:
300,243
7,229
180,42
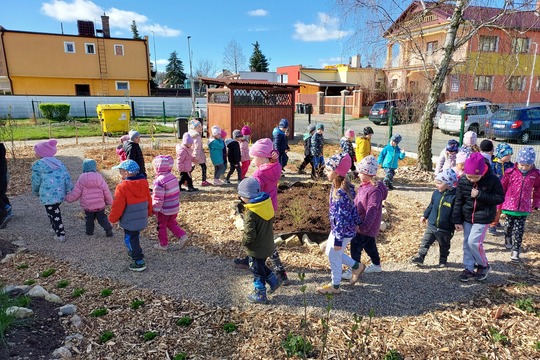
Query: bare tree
233,57
408,31
206,68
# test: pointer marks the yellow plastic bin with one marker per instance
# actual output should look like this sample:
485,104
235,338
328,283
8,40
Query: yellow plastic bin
114,117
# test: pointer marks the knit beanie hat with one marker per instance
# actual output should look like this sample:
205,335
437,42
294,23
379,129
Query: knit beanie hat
396,138
163,163
310,128
262,148
469,138
349,133
340,163
46,148
89,165
246,130
486,145
447,176
129,165
216,130
187,139
223,134
452,145
368,165
194,123
133,134
236,134
320,127
368,130
284,123
124,138
461,157
503,149
249,188
526,156
475,164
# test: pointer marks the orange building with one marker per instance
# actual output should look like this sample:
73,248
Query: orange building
87,65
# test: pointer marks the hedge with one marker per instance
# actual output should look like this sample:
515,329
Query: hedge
56,112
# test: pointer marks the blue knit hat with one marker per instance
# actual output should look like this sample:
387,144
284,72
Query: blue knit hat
129,165
452,146
320,126
284,123
89,165
396,138
502,150
526,156
249,188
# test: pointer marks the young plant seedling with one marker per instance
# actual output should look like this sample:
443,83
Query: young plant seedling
62,284
150,335
106,292
106,336
393,355
77,293
229,327
22,266
135,304
180,356
184,321
99,312
29,282
296,345
48,272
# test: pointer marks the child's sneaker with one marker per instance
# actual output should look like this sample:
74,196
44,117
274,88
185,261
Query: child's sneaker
258,297
442,264
417,260
159,247
109,233
466,275
60,238
347,274
328,289
218,182
241,263
356,274
137,266
227,181
205,183
182,241
482,273
373,269
508,242
192,189
515,256
283,278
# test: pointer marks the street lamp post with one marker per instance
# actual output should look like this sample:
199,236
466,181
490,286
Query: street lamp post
191,79
532,73
155,54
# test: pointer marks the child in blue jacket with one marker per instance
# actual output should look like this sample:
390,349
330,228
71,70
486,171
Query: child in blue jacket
216,145
281,143
388,158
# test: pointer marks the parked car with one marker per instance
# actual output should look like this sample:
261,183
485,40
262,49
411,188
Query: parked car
380,112
519,124
437,116
476,115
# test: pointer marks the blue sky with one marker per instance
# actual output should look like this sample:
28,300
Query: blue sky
289,32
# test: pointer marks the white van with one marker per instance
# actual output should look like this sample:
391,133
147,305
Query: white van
476,115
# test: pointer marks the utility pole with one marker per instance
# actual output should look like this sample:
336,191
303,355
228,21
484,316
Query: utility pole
155,54
191,85
532,73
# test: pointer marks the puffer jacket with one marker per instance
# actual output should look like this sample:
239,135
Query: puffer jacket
482,209
368,202
347,146
446,161
233,151
343,215
132,203
519,189
198,152
363,147
280,141
92,190
244,151
166,194
258,221
500,168
317,144
50,180
216,147
268,176
134,152
184,158
389,157
307,144
439,210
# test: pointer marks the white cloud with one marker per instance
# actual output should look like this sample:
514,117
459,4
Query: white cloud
162,61
63,10
258,12
330,61
327,28
258,29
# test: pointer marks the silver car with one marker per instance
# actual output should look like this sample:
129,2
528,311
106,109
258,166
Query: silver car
476,115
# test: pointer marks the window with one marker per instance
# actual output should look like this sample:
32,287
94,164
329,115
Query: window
413,85
122,85
394,84
520,45
516,83
82,90
488,43
118,49
90,48
69,47
483,83
431,47
377,84
454,87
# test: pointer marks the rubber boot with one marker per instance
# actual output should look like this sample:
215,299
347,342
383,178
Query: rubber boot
274,282
258,297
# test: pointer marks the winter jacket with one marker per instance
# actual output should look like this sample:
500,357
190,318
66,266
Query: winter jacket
216,151
50,180
281,143
132,203
92,190
307,144
363,147
258,221
198,152
233,151
439,210
121,152
166,194
347,146
368,202
343,214
519,189
500,168
317,144
184,158
482,209
134,152
268,176
446,161
244,151
389,157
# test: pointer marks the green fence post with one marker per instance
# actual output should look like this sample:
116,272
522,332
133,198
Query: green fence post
390,122
164,115
462,126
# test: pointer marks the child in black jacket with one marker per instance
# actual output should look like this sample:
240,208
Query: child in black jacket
438,217
134,152
308,160
234,156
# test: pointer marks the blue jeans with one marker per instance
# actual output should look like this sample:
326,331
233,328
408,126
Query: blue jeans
318,161
131,239
260,271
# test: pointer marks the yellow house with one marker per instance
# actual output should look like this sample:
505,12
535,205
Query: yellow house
86,65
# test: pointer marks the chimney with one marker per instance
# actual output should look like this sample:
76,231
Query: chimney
105,26
355,61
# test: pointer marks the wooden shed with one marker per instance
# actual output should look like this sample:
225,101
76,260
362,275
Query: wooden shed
233,103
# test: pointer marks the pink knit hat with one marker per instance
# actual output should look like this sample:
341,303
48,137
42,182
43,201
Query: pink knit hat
187,139
262,148
223,134
163,163
46,148
246,130
475,165
349,133
124,138
461,157
469,138
340,163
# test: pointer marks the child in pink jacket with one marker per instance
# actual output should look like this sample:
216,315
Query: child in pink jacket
94,195
521,186
244,150
199,158
184,158
120,148
166,202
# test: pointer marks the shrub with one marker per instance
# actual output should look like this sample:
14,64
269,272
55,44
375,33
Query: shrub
184,321
55,112
526,305
62,284
393,355
77,292
497,337
106,336
296,345
229,327
106,292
